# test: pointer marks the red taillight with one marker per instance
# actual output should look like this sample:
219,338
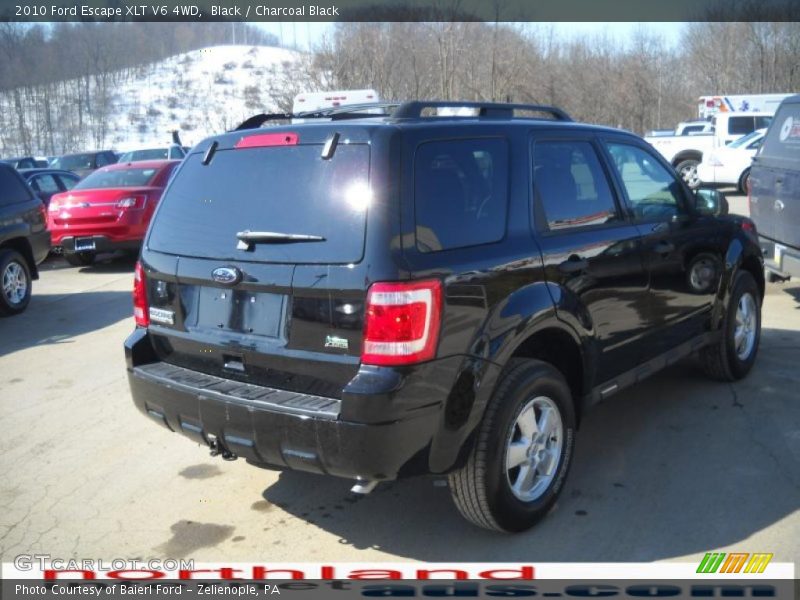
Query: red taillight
401,324
140,309
261,140
132,202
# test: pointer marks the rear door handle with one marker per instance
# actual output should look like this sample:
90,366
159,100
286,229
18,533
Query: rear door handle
574,264
663,248
779,205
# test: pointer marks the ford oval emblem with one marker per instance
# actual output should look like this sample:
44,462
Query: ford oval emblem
226,275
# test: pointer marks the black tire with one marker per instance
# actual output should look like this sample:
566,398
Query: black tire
13,264
80,259
688,165
481,489
743,181
721,361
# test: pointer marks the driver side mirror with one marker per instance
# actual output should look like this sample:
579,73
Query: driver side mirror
710,202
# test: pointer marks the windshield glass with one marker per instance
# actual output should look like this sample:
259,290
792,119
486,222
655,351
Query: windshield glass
75,161
744,140
286,190
117,178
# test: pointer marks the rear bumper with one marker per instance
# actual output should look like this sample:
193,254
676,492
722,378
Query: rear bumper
102,243
782,260
276,427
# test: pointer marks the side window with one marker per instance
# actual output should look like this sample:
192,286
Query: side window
68,182
570,187
460,193
653,191
12,189
101,160
692,129
762,122
46,184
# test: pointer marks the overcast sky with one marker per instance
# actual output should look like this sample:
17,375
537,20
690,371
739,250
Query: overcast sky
299,34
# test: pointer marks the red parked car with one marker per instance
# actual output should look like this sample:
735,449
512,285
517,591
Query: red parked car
109,210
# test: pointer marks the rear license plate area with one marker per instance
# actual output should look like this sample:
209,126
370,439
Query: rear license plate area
84,244
239,311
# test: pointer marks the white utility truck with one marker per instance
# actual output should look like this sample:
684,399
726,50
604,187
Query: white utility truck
708,106
311,101
685,152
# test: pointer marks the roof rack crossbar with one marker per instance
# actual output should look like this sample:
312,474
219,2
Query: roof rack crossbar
413,110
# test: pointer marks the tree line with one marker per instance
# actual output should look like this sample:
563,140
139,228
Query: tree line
57,83
639,84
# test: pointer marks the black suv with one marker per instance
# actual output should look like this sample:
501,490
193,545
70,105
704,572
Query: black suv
24,240
380,296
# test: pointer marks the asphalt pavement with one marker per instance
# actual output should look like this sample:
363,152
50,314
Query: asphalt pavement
668,470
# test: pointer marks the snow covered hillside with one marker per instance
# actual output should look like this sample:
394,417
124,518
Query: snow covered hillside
202,92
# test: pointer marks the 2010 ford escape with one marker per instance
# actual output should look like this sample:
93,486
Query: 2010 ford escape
380,296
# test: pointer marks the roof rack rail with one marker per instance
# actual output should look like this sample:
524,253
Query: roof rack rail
348,111
413,110
257,121
403,110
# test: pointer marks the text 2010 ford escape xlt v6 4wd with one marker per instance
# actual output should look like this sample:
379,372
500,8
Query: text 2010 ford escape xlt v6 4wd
379,296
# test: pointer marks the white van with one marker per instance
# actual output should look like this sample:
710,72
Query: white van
311,101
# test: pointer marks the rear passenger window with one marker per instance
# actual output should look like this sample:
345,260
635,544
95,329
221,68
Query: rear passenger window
570,186
46,184
460,193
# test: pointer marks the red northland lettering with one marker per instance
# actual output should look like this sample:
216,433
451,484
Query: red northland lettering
326,573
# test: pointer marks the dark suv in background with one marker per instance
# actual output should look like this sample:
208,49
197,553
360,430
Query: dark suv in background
84,163
24,240
774,191
380,296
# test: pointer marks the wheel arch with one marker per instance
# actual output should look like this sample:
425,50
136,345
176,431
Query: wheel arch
686,155
739,257
21,245
556,345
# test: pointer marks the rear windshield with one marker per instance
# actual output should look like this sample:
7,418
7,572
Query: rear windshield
117,178
746,139
151,154
783,138
286,190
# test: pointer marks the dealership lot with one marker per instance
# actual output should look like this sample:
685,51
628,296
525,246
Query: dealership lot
670,469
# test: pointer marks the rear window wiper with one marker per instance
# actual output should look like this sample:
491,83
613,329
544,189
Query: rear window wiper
248,238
